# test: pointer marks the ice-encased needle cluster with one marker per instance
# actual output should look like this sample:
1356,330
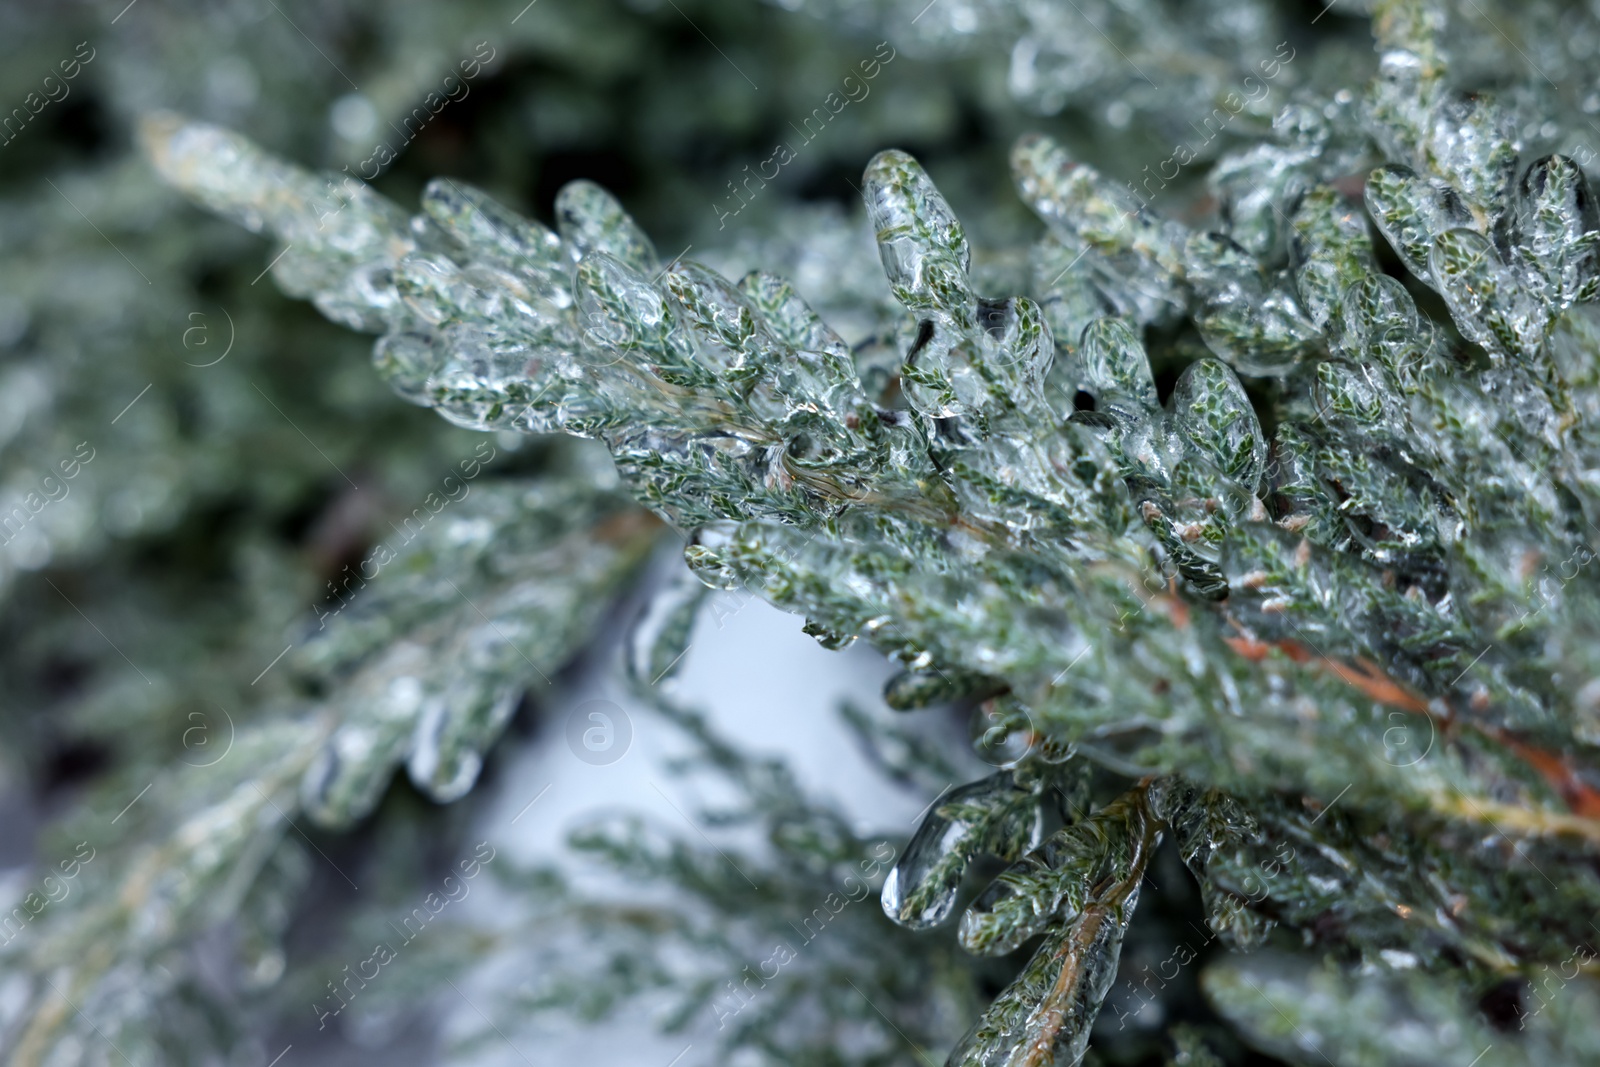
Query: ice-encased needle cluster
421,666
498,323
996,815
1079,889
1388,598
426,666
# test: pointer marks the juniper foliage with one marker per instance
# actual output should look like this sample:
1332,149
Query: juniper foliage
1260,530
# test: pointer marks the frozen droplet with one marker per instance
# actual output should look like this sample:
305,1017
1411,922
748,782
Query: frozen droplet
1212,412
1256,326
1557,231
497,234
619,312
1378,320
453,731
592,221
1486,300
920,241
1112,364
729,333
1412,212
407,361
988,814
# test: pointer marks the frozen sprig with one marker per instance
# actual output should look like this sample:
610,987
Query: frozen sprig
459,619
1319,566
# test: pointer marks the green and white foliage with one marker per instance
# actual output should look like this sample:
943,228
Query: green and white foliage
765,944
465,613
431,663
1325,606
1311,1014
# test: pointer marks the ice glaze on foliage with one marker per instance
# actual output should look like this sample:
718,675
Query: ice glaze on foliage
1355,604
